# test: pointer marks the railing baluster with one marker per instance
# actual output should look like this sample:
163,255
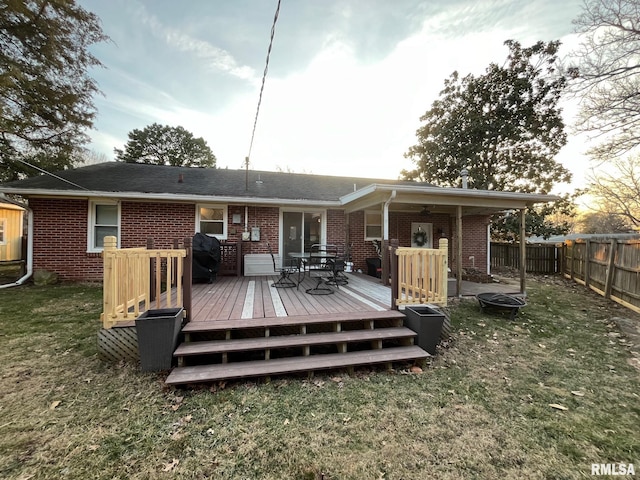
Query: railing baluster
127,289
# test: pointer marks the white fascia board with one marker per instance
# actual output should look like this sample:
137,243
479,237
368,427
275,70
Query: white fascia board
528,198
168,197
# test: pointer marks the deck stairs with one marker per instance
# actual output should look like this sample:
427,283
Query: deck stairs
235,349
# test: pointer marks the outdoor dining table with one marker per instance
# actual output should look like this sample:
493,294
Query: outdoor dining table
305,264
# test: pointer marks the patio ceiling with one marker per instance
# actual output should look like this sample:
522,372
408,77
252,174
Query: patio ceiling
439,199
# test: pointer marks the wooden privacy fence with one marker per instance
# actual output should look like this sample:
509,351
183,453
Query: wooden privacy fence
609,267
419,275
134,278
540,258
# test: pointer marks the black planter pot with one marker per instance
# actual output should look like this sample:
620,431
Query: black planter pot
427,323
158,332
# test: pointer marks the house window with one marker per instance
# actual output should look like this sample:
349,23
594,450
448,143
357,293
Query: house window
372,226
3,229
104,221
212,220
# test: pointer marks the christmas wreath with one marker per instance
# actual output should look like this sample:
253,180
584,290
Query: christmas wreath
420,237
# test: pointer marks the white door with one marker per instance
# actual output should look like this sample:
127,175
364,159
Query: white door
421,235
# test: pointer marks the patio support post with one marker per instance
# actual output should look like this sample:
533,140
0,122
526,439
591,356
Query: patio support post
394,272
523,250
187,273
459,251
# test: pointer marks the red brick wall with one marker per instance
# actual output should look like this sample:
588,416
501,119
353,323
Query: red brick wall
267,219
474,243
163,222
60,239
475,236
60,233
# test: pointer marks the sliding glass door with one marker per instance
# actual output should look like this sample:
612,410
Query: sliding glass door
300,230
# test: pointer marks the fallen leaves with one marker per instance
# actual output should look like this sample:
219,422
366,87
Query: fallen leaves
55,404
170,466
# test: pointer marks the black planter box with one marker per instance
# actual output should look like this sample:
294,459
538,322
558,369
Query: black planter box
158,332
427,323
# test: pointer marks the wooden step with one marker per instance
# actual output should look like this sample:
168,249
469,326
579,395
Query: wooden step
261,368
285,341
222,325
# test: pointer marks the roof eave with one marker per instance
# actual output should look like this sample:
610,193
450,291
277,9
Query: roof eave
457,195
170,197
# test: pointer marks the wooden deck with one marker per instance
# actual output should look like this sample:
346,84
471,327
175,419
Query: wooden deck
230,298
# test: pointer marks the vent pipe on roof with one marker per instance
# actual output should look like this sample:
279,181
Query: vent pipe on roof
464,174
181,178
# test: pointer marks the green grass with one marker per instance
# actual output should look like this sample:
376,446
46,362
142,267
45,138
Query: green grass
479,410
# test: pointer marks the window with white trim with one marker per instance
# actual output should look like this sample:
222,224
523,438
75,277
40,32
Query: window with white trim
3,230
372,225
104,221
212,220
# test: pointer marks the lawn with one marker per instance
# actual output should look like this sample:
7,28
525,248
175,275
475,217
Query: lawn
542,397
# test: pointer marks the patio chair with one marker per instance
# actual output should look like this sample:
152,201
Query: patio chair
285,271
338,265
320,265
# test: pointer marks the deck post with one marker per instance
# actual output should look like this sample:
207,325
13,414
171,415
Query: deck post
238,259
152,272
187,273
384,271
443,245
394,271
108,283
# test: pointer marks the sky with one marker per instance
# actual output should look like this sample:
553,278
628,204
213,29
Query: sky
347,83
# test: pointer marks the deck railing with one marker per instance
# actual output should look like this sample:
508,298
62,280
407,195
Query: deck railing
422,275
134,278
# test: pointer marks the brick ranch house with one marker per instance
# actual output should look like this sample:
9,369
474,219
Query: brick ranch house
75,209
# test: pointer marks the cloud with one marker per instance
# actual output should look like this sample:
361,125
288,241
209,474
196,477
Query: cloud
215,58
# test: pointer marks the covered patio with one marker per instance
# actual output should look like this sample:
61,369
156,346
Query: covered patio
458,204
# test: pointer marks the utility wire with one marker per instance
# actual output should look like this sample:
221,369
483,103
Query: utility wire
264,77
53,175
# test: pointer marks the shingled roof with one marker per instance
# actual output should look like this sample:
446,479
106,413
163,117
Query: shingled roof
127,178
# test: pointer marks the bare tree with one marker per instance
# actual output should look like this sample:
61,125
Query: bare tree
602,222
607,75
618,192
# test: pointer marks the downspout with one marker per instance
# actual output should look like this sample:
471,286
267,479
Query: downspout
29,272
385,217
385,239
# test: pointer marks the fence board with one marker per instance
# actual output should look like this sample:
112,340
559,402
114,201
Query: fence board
539,258
609,267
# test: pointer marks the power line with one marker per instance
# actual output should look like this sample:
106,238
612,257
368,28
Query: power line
53,175
264,77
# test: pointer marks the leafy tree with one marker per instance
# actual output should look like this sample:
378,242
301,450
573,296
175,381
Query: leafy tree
164,145
544,220
46,94
504,127
617,192
607,75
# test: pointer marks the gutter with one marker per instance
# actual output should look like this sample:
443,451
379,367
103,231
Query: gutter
29,272
133,196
